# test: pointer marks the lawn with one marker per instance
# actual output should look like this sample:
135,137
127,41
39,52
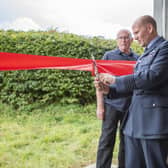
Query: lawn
56,136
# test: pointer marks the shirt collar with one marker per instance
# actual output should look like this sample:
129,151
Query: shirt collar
121,53
152,42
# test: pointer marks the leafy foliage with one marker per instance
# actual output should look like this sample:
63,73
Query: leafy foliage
33,88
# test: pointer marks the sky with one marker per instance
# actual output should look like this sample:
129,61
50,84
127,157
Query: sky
82,17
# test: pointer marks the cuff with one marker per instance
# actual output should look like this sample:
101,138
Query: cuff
125,84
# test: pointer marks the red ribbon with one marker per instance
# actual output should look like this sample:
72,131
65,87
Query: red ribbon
13,61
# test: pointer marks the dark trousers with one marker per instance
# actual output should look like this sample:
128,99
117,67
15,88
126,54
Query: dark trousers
146,153
107,139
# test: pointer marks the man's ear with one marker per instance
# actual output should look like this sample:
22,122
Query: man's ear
150,28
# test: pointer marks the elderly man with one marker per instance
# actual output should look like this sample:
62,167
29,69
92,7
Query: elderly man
114,109
146,126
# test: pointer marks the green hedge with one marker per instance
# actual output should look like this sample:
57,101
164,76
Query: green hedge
33,88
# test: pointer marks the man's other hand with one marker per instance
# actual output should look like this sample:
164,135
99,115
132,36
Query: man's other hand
107,78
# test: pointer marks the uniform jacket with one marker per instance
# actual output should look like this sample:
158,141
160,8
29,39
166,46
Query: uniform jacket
148,113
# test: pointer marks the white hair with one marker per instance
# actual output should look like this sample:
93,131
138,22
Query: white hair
125,30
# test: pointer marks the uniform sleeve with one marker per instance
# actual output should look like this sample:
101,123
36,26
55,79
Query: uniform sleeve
148,78
113,93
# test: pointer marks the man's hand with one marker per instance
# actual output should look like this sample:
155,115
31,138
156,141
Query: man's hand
107,78
102,87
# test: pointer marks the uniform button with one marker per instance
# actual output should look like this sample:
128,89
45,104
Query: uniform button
154,105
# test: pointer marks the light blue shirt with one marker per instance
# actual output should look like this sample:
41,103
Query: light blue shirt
153,41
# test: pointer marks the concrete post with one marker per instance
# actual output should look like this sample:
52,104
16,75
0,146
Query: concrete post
161,15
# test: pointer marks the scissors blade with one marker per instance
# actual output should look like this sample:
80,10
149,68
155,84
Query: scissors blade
95,67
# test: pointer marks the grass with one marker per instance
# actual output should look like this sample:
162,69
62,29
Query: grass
56,136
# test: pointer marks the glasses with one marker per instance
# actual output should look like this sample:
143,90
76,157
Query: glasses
123,38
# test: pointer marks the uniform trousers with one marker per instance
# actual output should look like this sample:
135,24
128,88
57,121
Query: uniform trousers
146,153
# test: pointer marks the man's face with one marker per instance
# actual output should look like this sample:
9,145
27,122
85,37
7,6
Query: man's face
141,34
124,41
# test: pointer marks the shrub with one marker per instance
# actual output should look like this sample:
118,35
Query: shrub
42,87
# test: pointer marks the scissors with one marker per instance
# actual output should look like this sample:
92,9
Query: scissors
95,67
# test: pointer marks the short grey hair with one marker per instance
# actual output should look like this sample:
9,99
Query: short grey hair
125,30
148,19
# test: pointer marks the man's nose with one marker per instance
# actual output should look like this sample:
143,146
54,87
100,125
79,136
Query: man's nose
135,38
